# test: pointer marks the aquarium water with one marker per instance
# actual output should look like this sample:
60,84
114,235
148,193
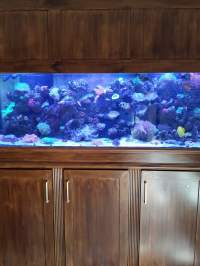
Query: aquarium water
100,110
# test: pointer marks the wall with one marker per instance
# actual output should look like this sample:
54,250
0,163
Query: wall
99,36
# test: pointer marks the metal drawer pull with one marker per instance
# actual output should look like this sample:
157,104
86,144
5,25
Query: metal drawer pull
67,192
145,192
46,192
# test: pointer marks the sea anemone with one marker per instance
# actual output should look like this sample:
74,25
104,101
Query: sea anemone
144,130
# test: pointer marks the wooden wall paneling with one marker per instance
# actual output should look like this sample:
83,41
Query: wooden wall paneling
92,34
23,35
134,216
171,33
58,216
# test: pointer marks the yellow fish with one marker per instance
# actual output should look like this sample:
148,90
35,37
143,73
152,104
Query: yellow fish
181,132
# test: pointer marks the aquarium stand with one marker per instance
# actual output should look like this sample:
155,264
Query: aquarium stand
98,205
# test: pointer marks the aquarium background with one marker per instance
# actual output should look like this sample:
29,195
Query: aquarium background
100,110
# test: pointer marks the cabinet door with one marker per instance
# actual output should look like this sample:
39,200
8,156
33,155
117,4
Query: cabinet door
23,35
96,217
90,34
168,218
26,218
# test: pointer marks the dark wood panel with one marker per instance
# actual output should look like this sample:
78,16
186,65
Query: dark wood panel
55,37
26,231
90,34
97,4
168,218
171,33
23,35
96,218
137,33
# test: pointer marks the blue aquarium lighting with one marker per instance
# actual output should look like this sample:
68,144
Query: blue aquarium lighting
100,110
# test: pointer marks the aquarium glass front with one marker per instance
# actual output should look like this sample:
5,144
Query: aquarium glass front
100,110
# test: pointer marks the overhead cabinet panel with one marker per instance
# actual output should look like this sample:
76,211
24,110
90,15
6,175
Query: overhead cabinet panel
171,33
97,34
23,35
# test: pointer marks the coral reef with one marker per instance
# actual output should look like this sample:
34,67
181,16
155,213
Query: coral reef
152,108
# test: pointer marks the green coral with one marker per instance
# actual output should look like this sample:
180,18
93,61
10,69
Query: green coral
9,109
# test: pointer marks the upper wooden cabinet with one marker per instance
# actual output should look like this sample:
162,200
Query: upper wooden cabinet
112,39
93,34
96,217
26,218
23,35
169,218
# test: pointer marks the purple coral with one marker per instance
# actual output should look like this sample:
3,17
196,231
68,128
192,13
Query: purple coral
144,130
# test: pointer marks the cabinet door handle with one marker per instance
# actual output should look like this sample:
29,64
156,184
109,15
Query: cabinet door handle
145,192
46,191
67,191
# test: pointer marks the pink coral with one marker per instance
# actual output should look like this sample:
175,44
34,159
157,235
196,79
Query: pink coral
32,138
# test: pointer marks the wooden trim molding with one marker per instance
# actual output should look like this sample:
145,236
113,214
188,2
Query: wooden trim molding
134,216
100,156
101,66
58,216
95,4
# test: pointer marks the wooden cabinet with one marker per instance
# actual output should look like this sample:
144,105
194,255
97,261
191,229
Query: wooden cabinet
96,217
169,204
26,218
111,217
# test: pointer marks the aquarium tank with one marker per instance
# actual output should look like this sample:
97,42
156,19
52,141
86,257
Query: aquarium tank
151,110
